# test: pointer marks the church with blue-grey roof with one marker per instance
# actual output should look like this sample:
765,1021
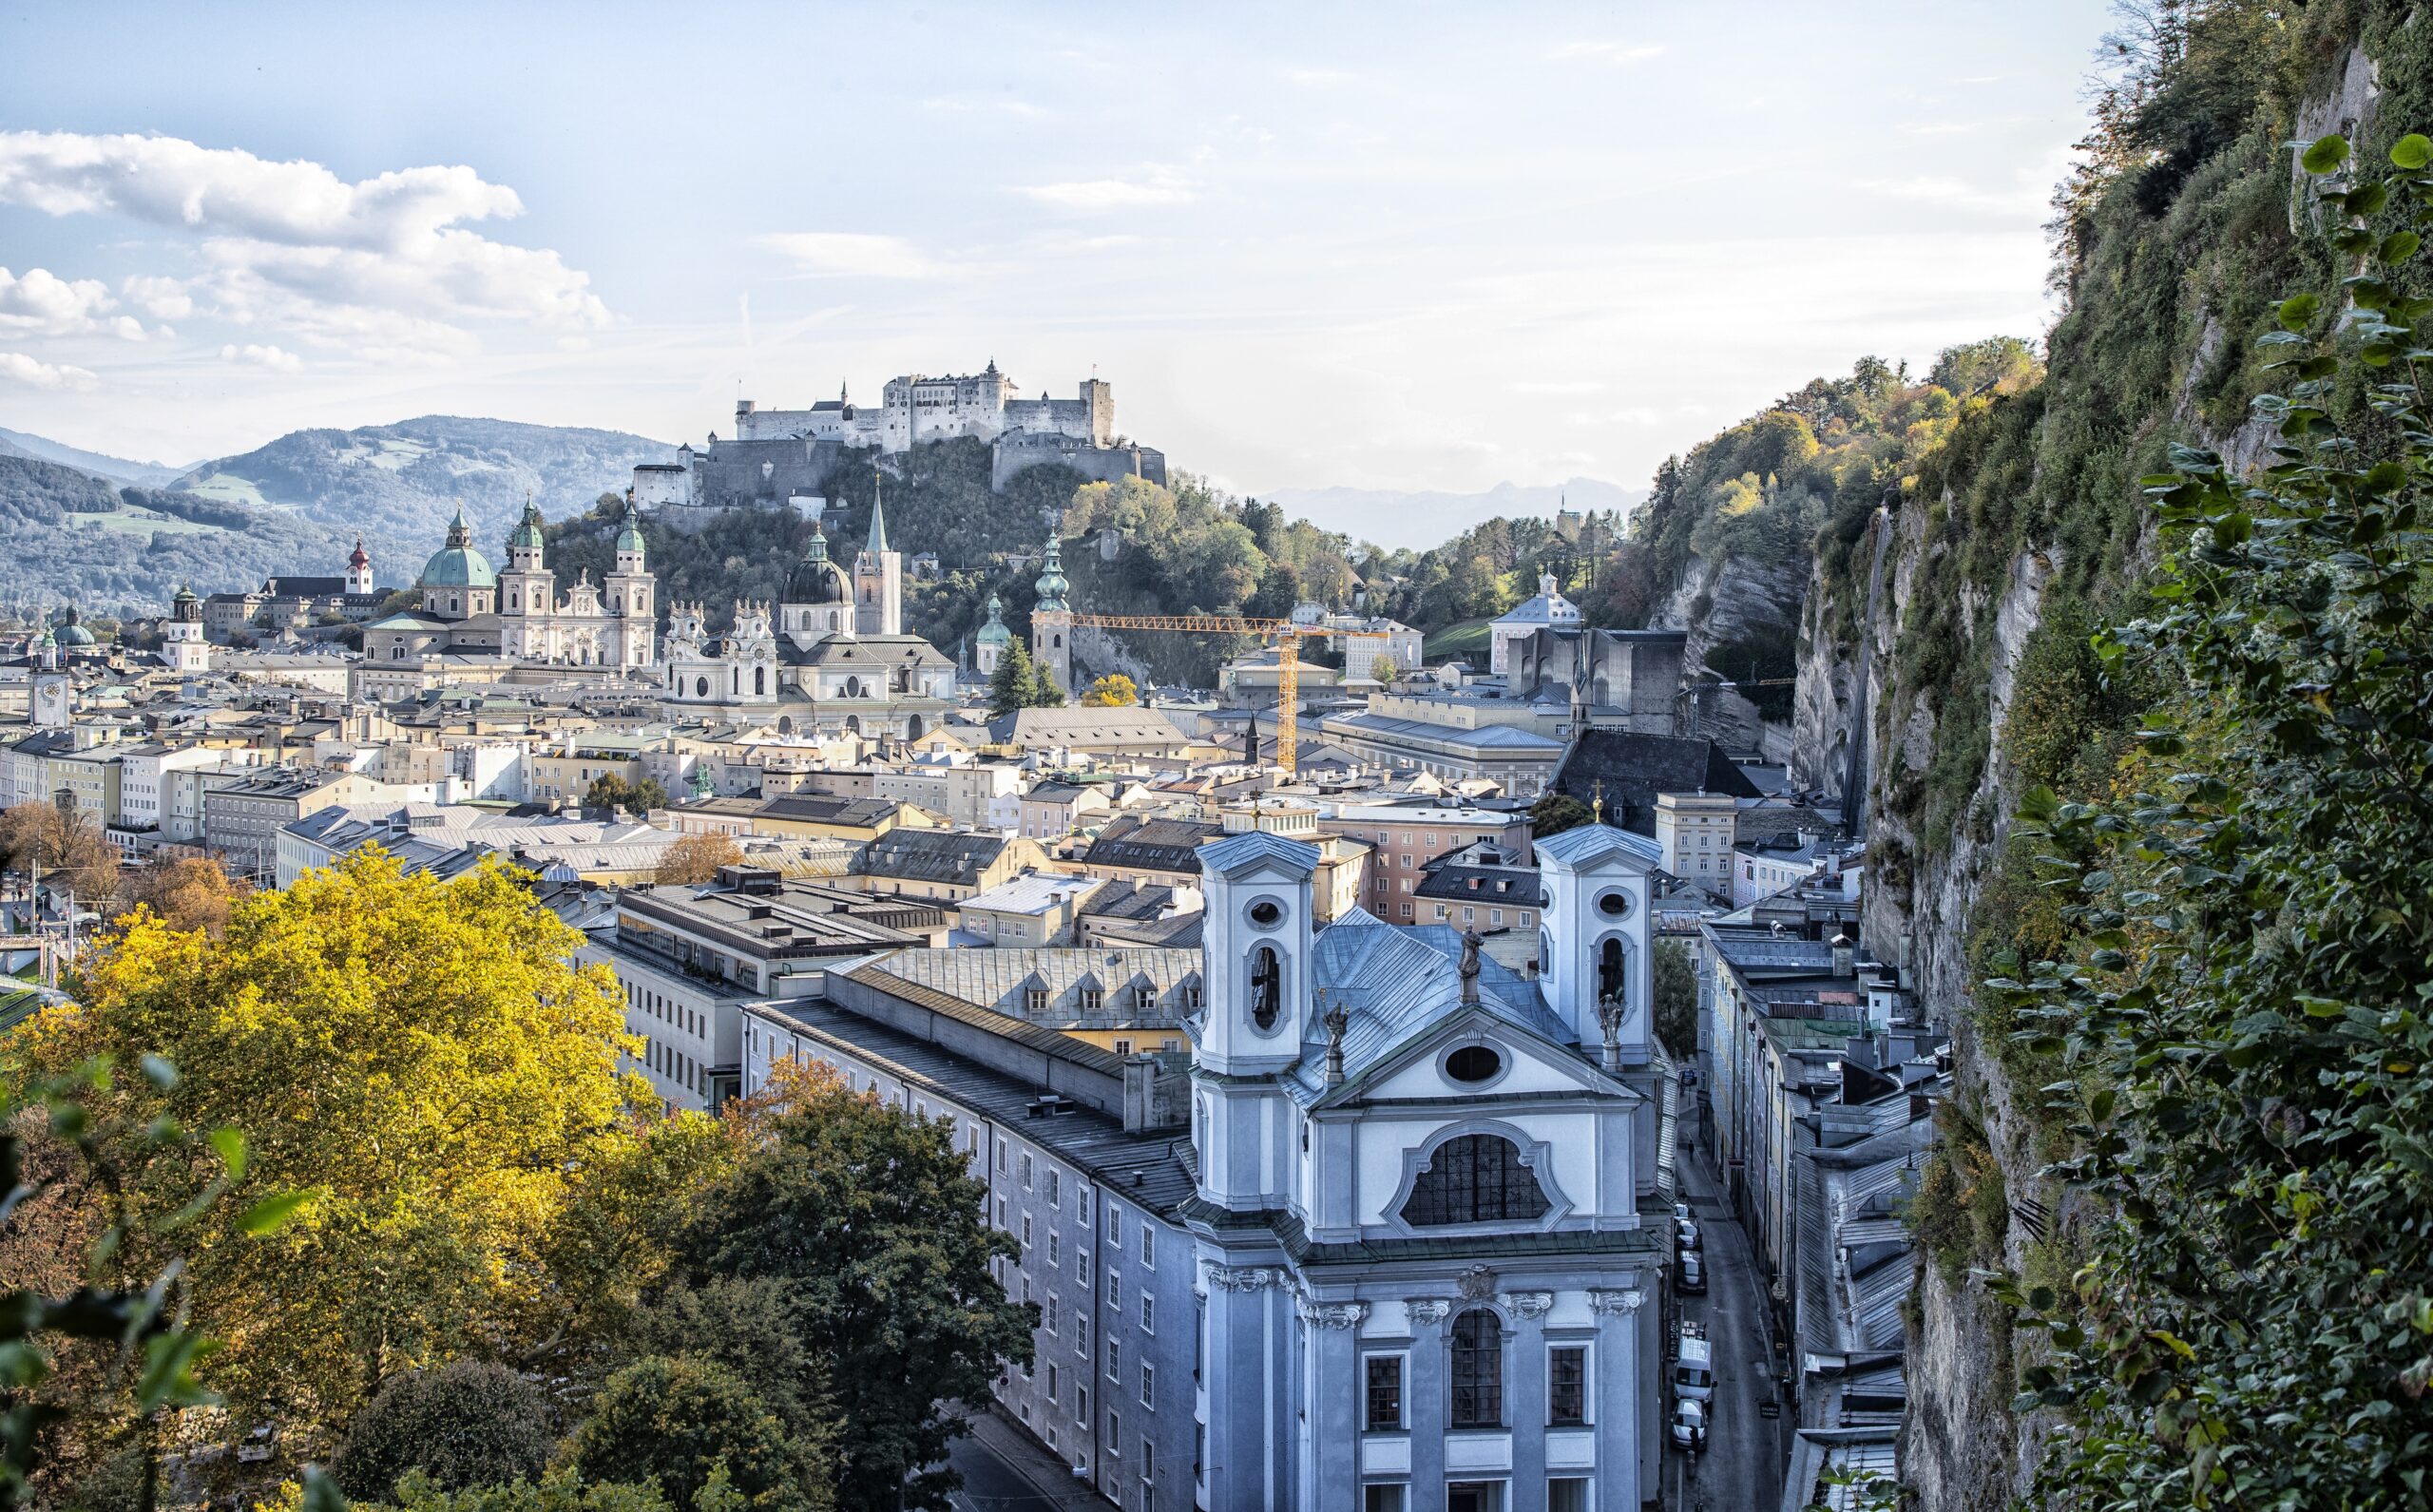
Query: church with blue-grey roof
1430,1217
1387,1228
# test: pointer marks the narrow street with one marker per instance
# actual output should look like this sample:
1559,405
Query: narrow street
1742,1471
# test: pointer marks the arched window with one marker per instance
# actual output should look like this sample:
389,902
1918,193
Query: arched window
1609,970
1474,1179
1267,987
759,682
1478,1370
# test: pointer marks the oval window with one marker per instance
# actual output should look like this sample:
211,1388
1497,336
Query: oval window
1473,1063
1266,914
1614,905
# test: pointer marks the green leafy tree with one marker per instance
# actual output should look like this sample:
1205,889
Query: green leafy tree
1555,812
611,790
1384,669
682,1422
2247,1062
468,1423
1676,1000
868,1219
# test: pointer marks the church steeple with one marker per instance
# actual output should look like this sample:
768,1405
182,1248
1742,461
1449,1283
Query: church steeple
879,518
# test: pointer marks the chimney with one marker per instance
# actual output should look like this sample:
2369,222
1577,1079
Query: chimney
1844,956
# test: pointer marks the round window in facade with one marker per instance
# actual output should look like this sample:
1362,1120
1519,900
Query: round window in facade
1473,1063
1267,914
1614,905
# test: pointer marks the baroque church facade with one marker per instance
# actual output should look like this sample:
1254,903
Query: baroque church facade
831,655
467,607
1428,1226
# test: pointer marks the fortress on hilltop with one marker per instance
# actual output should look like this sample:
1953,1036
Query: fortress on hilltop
777,458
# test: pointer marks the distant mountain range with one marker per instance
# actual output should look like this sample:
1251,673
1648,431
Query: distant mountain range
118,470
119,536
400,484
1394,517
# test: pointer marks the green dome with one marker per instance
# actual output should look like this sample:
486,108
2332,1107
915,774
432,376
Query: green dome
527,535
630,537
1052,584
994,632
457,565
69,632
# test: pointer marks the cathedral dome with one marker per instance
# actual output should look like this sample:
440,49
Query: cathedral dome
69,632
814,579
629,535
458,565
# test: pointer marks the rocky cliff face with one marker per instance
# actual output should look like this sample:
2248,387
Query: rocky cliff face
1740,613
1926,669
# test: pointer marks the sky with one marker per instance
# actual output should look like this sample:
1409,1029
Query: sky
1396,246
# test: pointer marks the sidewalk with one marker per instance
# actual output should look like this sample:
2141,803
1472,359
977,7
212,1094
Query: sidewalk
1028,1460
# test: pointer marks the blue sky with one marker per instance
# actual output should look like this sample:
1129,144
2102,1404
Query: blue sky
1402,246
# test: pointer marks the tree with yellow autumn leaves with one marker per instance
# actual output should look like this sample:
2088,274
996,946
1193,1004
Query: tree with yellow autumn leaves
424,1068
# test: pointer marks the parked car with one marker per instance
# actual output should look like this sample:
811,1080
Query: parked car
1692,1280
1690,1425
1686,1231
1693,1362
1681,1213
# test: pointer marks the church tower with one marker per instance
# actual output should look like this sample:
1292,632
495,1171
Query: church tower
358,568
1593,945
1051,620
527,591
630,593
988,647
185,649
878,576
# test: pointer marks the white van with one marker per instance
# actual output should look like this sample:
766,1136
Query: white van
1694,1365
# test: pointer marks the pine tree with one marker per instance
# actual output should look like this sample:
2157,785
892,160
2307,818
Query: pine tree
1014,684
1045,694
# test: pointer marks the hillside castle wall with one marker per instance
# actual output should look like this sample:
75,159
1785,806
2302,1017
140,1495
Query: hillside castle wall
775,456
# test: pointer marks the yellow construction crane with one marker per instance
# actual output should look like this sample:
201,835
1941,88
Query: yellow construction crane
1285,635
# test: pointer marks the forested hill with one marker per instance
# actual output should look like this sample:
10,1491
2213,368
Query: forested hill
68,536
398,484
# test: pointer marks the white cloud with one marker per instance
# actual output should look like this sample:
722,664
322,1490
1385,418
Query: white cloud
270,357
853,255
388,251
1614,52
1548,386
18,368
1157,187
44,304
161,298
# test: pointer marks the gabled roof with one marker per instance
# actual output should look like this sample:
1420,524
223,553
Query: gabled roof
1236,854
1591,845
956,856
1398,985
1635,768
